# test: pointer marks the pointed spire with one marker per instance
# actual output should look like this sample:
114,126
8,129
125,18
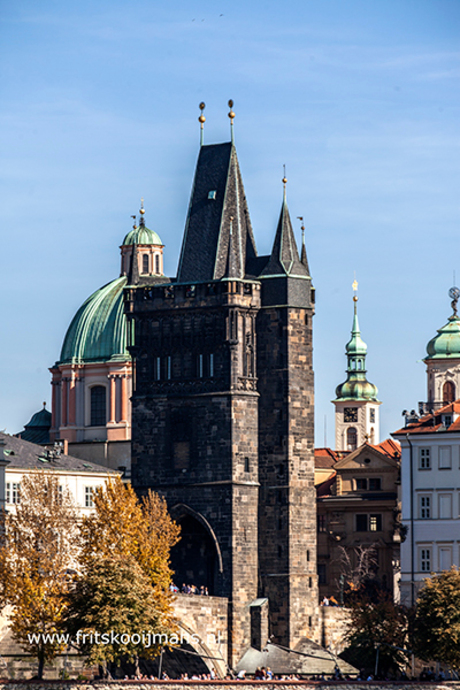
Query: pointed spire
217,195
356,387
284,259
303,253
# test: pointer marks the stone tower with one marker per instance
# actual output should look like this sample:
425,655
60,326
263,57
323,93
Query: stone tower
356,404
223,406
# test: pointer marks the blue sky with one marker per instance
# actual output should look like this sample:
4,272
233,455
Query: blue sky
360,100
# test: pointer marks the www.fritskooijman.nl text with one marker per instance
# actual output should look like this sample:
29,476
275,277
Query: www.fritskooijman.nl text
146,639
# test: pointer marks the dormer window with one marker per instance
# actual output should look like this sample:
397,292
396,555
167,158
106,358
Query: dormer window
447,420
212,195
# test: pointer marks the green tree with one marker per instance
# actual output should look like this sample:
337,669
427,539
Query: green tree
113,614
39,549
377,625
437,619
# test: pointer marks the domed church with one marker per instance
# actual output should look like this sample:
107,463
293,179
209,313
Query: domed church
443,361
91,381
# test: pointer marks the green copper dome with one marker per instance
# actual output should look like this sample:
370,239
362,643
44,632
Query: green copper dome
446,345
142,235
356,387
98,330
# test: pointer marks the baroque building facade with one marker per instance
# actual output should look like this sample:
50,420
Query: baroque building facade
430,467
222,408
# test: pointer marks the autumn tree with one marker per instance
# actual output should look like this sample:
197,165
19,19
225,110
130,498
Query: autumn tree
140,533
112,612
40,547
437,619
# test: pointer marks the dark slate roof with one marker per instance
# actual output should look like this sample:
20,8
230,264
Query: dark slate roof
30,456
38,429
217,197
284,259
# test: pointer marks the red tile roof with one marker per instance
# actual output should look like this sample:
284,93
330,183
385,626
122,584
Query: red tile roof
431,423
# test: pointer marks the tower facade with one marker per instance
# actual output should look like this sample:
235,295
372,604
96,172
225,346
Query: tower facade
223,407
356,404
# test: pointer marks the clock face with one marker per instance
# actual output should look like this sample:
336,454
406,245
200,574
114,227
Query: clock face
350,414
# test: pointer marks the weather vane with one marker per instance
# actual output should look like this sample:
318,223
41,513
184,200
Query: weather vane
454,294
355,289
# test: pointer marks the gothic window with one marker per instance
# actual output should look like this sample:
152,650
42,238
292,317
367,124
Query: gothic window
211,365
157,368
352,438
157,264
98,406
145,263
448,392
246,465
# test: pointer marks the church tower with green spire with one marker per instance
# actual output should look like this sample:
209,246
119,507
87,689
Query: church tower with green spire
356,403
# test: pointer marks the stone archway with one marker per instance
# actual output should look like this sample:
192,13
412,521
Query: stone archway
196,559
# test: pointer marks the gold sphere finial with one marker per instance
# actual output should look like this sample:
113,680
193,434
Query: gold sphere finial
142,210
231,113
284,180
355,298
202,118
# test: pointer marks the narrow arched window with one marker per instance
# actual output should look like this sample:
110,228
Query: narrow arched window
98,406
157,264
145,263
448,392
352,438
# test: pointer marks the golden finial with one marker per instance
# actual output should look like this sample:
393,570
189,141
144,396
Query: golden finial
355,288
284,180
202,120
231,116
142,210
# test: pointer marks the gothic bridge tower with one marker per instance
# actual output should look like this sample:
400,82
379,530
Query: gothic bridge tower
222,421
